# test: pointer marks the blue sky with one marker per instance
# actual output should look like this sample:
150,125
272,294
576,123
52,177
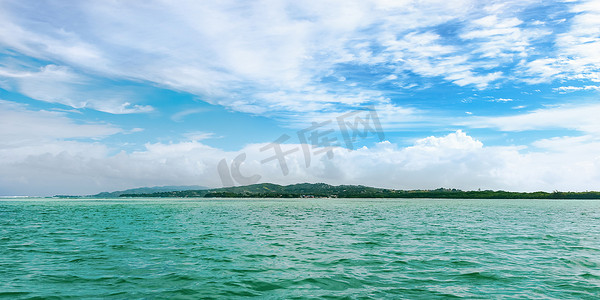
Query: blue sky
107,95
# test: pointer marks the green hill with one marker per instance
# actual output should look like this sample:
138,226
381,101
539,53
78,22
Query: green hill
270,190
146,190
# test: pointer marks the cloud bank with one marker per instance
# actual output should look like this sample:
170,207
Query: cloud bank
35,160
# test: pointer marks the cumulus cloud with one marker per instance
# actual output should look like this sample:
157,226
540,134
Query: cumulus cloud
456,160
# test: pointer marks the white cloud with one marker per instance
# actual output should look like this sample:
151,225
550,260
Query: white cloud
59,84
425,54
179,116
454,160
502,100
541,70
238,54
33,136
199,135
391,77
51,42
20,124
577,56
497,37
566,89
583,118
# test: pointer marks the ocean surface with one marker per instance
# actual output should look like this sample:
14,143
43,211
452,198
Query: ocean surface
299,248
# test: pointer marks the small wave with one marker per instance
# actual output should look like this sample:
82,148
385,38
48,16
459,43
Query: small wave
262,286
367,244
178,277
12,295
480,275
260,255
588,275
336,283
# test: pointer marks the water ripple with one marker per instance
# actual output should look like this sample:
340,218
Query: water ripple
293,249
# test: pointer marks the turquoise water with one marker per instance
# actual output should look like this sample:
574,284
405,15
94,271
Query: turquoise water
323,248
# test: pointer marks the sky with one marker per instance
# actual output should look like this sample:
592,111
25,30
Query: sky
108,95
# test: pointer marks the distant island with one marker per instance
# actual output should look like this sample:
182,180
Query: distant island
322,190
142,190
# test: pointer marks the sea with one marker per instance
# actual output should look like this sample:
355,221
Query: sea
165,248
